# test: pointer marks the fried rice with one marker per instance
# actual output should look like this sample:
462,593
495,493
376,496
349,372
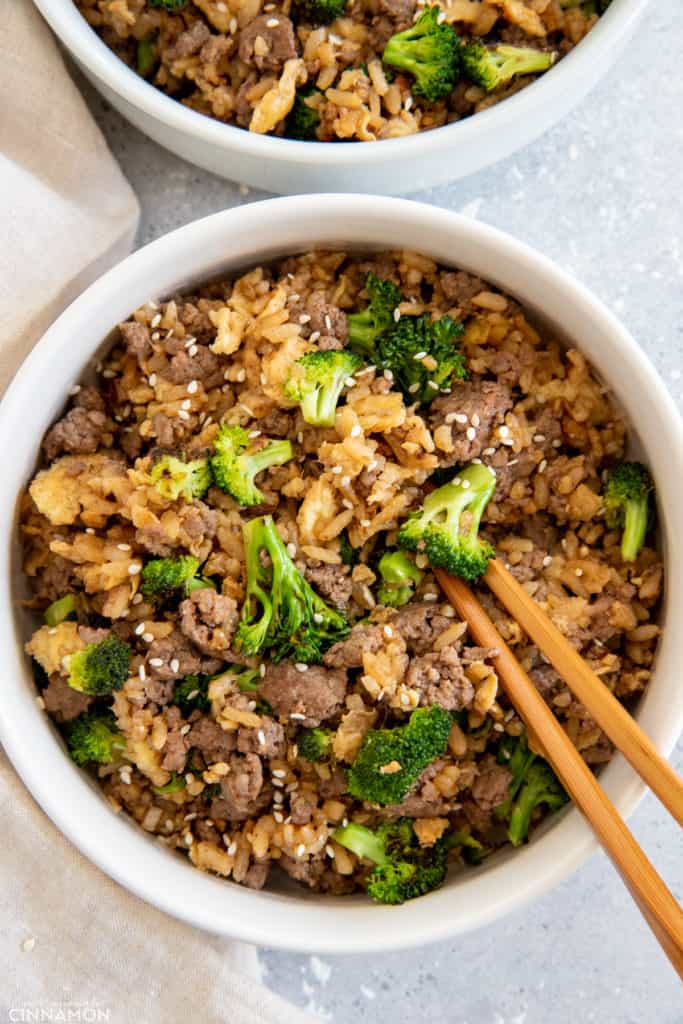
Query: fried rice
244,62
223,780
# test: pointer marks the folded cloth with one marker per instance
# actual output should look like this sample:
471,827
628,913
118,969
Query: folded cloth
73,944
67,211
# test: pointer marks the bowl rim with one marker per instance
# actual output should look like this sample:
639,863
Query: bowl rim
525,106
119,847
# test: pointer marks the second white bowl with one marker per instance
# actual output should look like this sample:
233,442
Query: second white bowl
394,166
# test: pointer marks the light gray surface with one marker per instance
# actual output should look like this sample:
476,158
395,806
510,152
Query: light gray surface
602,195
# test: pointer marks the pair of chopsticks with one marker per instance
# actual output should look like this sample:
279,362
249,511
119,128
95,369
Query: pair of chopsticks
656,903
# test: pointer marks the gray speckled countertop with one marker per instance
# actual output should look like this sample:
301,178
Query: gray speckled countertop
602,195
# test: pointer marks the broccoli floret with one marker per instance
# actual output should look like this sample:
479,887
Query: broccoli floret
234,468
403,869
281,611
533,783
93,738
174,478
422,355
320,12
174,785
489,67
390,760
471,850
400,578
169,5
100,667
146,56
302,121
626,498
446,527
314,744
366,327
164,578
192,694
60,610
430,52
316,381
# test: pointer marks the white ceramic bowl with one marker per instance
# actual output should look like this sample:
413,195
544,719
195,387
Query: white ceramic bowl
395,166
226,242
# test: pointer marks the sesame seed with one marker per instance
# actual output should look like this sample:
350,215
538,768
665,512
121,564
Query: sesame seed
232,26
347,503
297,716
503,431
272,23
547,561
148,638
408,103
52,632
465,484
318,617
140,629
388,632
489,451
431,597
477,462
300,436
123,547
254,433
142,674
261,737
419,355
279,817
579,572
301,666
262,670
349,382
186,404
183,414
191,696
413,388
345,481
277,782
300,850
470,433
388,375
185,729
304,318
156,320
192,351
278,797
89,530
279,773
538,438
356,430
134,568
155,335
314,335
152,380
291,549
336,470
475,420
328,322
329,851
542,465
232,849
156,662
365,522
460,417
174,665
397,315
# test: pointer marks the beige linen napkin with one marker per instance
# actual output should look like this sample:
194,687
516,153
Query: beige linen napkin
73,944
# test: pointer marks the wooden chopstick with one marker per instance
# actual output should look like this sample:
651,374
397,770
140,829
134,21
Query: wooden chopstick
610,715
656,903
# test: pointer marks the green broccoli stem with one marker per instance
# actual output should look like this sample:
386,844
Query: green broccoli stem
277,453
361,841
252,634
636,519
